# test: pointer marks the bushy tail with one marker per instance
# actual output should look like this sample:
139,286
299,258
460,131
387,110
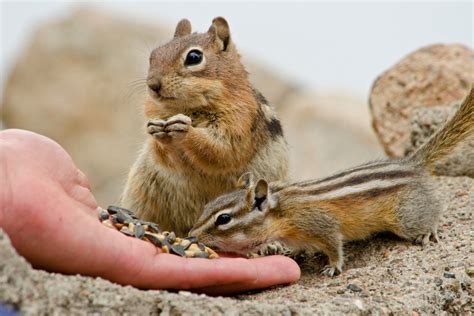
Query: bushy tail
458,128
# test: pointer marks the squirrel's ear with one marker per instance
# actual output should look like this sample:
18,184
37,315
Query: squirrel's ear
183,28
245,181
220,30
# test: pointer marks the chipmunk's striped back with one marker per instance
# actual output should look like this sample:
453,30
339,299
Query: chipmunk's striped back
369,180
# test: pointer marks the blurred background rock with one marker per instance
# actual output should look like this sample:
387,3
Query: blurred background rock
75,81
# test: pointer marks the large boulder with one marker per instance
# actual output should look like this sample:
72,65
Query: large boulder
424,123
436,75
78,82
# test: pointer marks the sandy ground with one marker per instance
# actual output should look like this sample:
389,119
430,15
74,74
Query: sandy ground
383,275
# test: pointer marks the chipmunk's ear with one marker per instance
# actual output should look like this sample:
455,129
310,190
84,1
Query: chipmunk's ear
263,197
245,181
221,32
183,28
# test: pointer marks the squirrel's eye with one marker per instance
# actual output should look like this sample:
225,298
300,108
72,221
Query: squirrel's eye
223,219
194,57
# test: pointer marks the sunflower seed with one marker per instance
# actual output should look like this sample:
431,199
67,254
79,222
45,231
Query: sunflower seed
200,254
130,225
108,223
126,231
171,238
112,209
138,231
154,239
177,250
123,218
103,215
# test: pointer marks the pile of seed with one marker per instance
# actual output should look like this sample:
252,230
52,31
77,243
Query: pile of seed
127,223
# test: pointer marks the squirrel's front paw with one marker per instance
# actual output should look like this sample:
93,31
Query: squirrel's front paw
173,128
177,126
156,129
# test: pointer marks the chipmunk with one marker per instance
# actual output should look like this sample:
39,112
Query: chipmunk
207,125
319,215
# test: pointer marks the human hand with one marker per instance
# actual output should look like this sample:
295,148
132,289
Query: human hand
50,215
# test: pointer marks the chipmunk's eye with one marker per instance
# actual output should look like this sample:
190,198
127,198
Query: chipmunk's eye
223,219
194,57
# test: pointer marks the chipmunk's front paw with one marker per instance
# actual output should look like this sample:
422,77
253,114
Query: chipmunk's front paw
274,248
172,129
156,129
177,126
330,271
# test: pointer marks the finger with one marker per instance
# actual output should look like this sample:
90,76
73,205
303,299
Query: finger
272,270
82,179
172,272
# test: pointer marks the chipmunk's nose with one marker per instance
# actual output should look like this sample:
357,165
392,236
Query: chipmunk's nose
154,85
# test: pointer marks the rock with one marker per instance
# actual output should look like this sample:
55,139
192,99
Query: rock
449,275
470,271
436,75
85,95
326,132
354,288
424,123
36,292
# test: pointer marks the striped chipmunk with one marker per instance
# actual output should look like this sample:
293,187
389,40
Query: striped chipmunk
319,215
206,126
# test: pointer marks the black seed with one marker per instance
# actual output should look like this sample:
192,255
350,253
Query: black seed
177,250
113,219
126,231
112,209
153,227
449,275
103,215
171,238
123,218
354,288
154,240
139,231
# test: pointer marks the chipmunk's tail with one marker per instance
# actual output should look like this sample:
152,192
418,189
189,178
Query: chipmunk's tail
458,128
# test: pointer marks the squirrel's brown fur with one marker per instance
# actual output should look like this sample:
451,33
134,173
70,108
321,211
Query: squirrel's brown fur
208,125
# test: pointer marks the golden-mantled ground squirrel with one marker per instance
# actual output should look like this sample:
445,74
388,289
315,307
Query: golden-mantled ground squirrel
207,126
319,215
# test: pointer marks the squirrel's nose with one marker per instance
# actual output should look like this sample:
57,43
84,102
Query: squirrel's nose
155,86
